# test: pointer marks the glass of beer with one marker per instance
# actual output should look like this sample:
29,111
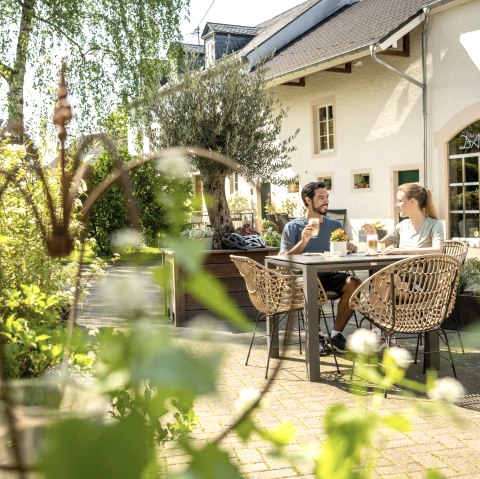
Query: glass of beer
315,222
372,244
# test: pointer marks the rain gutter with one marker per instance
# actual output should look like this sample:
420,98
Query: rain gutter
423,85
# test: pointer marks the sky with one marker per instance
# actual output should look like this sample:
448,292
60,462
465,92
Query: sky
234,12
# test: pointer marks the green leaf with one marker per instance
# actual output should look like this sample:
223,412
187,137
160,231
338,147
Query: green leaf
188,254
246,428
210,463
42,337
434,474
211,293
80,449
280,436
398,422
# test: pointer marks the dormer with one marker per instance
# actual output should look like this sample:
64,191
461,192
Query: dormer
221,39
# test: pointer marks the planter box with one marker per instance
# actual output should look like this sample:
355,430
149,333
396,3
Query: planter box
467,312
181,307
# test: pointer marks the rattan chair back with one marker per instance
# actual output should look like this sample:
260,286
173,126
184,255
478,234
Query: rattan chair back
456,248
413,295
270,291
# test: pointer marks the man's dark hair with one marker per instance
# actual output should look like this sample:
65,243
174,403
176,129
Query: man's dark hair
309,190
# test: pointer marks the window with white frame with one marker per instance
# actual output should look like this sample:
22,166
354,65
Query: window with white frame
325,128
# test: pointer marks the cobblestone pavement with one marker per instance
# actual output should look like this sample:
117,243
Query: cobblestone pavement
434,441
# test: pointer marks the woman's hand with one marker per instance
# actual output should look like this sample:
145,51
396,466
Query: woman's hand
392,249
369,229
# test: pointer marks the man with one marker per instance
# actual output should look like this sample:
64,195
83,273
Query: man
297,239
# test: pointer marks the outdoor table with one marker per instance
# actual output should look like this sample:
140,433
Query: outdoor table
312,263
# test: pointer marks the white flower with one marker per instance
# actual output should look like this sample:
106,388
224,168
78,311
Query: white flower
247,397
177,166
127,238
363,341
127,293
446,389
401,356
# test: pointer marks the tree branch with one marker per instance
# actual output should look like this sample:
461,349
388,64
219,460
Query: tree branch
6,72
59,30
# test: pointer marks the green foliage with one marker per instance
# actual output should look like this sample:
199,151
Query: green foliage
289,206
227,110
36,289
240,204
110,213
470,277
270,233
153,381
107,44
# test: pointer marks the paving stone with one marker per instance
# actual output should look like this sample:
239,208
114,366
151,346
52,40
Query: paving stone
434,440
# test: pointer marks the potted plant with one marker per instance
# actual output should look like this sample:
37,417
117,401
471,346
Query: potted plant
203,233
338,242
380,227
467,304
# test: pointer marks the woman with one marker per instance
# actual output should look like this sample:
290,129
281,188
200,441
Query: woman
422,232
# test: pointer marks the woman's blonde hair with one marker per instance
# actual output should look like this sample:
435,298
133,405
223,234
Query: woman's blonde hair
423,195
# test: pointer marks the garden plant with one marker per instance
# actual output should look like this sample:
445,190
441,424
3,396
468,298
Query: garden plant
153,382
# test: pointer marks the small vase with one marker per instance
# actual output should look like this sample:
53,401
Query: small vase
338,247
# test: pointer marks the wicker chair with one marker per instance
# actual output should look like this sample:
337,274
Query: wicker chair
459,250
274,294
411,296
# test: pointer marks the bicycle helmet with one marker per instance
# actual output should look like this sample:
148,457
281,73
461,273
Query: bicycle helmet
236,241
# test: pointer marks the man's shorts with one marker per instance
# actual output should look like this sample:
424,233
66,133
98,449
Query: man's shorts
333,281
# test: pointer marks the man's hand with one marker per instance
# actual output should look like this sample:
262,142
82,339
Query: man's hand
351,247
307,233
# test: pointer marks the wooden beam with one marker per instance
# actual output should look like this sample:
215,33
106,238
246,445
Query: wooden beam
347,68
300,82
397,52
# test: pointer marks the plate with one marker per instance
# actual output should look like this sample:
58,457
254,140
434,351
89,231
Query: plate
312,254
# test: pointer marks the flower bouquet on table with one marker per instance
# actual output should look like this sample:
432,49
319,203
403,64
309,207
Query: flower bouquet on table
338,242
338,236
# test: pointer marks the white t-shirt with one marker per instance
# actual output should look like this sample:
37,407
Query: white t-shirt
405,237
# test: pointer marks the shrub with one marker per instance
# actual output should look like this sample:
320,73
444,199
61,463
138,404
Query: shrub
110,213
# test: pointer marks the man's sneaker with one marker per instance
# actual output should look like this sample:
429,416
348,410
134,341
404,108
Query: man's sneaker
338,343
321,348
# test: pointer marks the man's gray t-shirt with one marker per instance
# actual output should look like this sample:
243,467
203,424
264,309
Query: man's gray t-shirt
292,233
405,237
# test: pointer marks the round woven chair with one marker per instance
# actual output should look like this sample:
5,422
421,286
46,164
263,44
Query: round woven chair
411,296
459,250
274,294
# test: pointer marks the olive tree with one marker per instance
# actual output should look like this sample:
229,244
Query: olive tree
229,110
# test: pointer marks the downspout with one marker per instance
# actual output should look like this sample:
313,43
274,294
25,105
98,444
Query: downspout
422,85
426,11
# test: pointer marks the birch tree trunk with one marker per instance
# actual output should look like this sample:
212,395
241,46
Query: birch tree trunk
16,76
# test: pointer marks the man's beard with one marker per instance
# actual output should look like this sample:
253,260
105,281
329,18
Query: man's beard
319,210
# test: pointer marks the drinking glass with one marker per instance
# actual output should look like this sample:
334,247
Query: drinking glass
372,244
315,222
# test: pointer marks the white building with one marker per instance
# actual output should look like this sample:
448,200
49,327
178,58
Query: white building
383,91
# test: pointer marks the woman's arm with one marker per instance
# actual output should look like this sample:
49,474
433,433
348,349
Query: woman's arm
437,247
370,230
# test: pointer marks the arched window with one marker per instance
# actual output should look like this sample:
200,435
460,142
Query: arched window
464,159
